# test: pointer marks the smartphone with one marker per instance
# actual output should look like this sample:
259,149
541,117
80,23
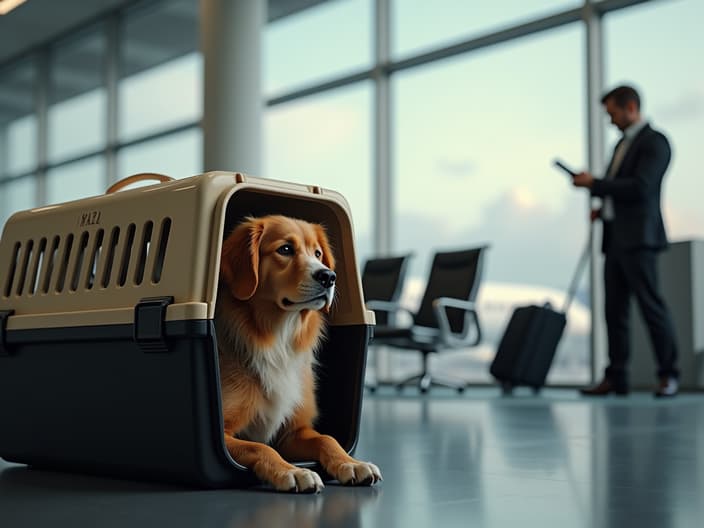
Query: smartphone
565,168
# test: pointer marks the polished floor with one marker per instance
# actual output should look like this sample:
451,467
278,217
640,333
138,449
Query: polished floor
477,460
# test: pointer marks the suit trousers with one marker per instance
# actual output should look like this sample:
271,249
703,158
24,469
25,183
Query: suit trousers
630,273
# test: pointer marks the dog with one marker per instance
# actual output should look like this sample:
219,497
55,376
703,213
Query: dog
276,278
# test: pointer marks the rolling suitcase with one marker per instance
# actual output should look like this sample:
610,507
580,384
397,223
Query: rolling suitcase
530,340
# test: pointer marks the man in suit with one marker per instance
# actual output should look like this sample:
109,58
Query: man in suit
633,236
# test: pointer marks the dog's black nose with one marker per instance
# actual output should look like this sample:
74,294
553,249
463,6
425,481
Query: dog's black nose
325,277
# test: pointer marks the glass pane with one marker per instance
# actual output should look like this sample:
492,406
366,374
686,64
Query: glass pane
77,97
17,195
177,155
475,167
161,69
76,180
324,141
18,122
317,43
669,40
419,25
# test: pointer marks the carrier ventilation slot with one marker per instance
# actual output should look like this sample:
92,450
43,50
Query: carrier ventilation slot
110,257
163,242
50,263
86,261
94,259
25,264
143,252
63,269
83,244
37,267
126,254
13,269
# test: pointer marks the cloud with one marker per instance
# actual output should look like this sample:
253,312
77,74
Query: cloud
456,168
530,243
686,106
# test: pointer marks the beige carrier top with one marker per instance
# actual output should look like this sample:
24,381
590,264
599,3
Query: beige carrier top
89,262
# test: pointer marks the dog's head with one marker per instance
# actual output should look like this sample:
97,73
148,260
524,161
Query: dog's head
280,259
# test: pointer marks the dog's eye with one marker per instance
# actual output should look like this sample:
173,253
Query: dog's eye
318,253
286,249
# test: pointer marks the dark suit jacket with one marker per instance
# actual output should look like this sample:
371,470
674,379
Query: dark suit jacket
635,191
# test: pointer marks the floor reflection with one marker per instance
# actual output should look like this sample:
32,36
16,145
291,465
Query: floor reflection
448,460
33,498
642,474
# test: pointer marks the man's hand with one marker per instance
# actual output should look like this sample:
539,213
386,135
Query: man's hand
583,179
595,214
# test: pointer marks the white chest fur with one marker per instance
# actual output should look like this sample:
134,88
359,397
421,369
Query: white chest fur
281,372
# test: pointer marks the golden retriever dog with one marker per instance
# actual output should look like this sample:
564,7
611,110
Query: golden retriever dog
277,275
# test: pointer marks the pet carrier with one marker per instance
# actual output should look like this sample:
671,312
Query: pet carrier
108,357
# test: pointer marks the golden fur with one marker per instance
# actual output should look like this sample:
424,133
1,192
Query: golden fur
276,277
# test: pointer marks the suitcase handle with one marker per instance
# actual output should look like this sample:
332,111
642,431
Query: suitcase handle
574,284
129,180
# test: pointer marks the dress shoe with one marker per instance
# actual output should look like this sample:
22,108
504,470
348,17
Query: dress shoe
667,388
605,388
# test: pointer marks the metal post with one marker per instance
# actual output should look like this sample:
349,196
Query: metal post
111,74
383,196
595,134
41,94
231,34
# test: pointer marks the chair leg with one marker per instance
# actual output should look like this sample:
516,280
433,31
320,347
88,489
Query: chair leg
425,380
458,384
419,379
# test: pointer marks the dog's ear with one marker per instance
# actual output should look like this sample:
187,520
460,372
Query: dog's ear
240,259
328,258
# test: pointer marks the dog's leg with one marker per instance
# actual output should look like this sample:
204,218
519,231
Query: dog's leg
305,443
268,466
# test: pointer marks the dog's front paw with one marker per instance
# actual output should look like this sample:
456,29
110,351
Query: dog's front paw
357,473
298,480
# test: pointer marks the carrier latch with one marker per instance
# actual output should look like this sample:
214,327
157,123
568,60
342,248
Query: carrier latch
4,315
150,323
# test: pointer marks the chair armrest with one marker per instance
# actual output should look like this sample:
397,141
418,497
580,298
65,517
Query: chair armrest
387,306
392,309
449,337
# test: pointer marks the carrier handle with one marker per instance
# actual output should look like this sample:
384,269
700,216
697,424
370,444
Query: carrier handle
129,180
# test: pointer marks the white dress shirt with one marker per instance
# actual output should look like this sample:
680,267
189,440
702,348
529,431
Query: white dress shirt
607,207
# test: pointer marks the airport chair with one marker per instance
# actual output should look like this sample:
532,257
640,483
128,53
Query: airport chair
382,284
446,318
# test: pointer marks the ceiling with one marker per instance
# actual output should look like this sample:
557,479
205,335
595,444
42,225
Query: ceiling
39,21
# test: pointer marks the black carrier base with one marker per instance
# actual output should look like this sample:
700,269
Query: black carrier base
92,400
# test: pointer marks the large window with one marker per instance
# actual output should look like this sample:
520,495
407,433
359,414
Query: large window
18,138
419,25
17,194
475,140
325,141
658,48
76,180
18,121
316,44
177,155
161,71
473,133
77,96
